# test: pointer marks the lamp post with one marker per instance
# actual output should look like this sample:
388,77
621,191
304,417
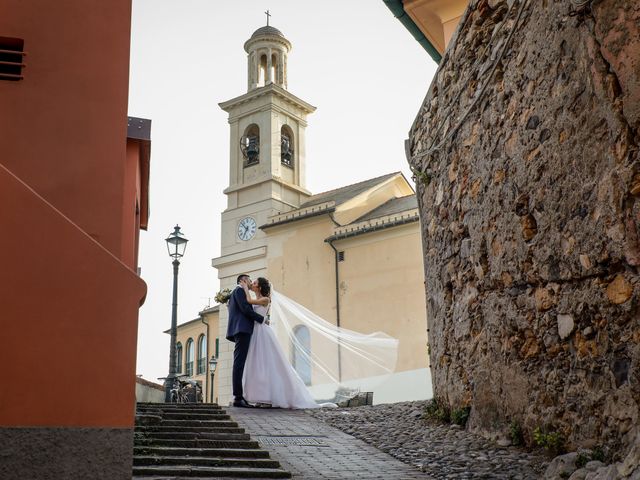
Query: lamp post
176,245
213,363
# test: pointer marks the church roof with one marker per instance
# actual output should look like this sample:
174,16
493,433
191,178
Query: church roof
267,30
343,194
393,206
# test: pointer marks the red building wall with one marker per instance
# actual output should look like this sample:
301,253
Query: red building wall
63,128
69,184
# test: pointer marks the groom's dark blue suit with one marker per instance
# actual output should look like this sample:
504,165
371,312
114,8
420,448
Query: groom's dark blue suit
239,330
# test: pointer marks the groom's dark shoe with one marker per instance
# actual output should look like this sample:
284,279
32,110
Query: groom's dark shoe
242,403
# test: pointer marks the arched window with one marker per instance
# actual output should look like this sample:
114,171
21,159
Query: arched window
178,357
190,357
250,145
202,354
302,353
286,146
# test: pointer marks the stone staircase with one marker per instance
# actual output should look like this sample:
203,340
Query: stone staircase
180,441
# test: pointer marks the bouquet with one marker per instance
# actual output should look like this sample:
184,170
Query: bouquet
223,296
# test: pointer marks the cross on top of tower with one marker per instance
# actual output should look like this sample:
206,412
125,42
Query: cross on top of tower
268,15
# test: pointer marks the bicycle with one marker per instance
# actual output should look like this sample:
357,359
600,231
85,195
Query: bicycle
186,391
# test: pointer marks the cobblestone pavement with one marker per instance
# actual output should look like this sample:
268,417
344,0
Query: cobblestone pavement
442,451
311,449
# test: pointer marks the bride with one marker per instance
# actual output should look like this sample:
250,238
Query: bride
269,378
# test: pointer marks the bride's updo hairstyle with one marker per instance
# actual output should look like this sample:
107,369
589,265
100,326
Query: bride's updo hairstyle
264,286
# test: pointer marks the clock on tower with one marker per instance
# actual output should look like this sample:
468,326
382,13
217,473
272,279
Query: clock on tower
247,228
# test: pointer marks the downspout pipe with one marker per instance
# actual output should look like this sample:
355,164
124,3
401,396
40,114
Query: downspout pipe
335,250
397,9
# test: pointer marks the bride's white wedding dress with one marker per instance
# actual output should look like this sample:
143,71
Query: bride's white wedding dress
268,375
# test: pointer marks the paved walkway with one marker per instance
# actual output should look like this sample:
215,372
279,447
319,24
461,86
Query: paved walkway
311,449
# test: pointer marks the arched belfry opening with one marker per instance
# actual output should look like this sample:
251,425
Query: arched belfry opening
262,71
267,51
250,145
287,144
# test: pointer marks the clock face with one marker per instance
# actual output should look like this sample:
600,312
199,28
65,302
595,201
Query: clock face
247,228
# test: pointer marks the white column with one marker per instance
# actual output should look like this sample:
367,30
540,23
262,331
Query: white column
284,73
249,71
280,70
255,69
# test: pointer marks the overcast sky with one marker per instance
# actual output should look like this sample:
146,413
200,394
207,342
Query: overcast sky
351,59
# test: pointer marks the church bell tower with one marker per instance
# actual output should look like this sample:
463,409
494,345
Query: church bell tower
267,150
266,167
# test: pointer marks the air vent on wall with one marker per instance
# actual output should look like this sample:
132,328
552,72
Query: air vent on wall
11,58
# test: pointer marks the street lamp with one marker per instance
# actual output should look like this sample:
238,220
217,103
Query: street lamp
213,363
176,245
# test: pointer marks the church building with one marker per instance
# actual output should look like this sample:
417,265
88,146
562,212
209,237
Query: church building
352,255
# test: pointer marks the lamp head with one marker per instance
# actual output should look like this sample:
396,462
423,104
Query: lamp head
213,363
176,243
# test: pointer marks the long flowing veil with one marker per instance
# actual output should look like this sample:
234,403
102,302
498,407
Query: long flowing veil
335,363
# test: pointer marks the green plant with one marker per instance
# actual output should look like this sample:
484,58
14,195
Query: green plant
421,177
551,441
437,410
515,433
460,416
586,457
598,455
582,459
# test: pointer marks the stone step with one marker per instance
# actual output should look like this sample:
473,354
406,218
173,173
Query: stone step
194,415
177,405
195,423
154,420
211,472
207,461
179,435
157,421
196,443
162,408
186,441
200,452
173,477
181,428
197,413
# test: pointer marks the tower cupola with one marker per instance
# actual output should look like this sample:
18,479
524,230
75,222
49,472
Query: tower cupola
267,51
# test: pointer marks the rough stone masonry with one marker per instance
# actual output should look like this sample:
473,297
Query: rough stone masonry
525,154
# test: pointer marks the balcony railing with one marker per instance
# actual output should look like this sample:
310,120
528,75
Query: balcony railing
202,366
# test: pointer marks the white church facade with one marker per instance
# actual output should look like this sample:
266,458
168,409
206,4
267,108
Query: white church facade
352,255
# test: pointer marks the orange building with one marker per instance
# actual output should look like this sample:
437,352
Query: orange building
73,196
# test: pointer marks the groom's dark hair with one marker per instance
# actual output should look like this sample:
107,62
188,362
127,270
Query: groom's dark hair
240,277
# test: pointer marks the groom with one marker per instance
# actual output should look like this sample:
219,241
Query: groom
239,330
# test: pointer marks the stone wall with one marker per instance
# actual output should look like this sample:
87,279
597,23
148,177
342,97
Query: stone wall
147,391
525,154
